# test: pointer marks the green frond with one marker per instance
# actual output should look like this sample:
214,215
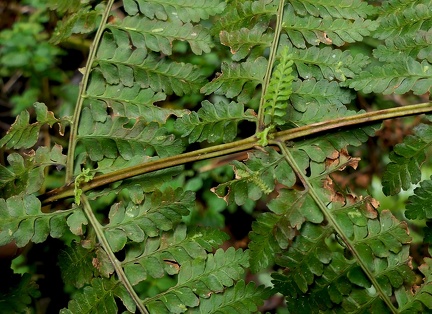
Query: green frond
328,63
418,205
25,173
245,14
397,77
404,18
213,122
272,232
117,137
318,94
81,19
63,6
99,297
76,266
200,278
347,9
185,10
420,300
279,90
157,212
159,36
119,63
241,299
314,31
22,221
238,80
406,160
22,134
255,177
166,253
244,41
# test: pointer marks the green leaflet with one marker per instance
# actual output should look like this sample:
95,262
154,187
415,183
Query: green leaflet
406,160
186,11
241,298
418,205
238,80
99,297
156,256
157,212
213,122
243,41
116,137
26,174
158,36
200,278
327,8
313,31
22,221
255,177
279,90
118,63
22,134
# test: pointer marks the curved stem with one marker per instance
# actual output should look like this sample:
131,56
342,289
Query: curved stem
238,146
114,261
83,86
272,57
332,221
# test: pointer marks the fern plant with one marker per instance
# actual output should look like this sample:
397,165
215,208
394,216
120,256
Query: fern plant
285,95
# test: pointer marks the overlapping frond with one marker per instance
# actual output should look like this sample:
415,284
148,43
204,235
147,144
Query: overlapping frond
166,253
22,221
116,136
406,160
22,134
157,212
186,11
213,122
238,80
200,278
347,9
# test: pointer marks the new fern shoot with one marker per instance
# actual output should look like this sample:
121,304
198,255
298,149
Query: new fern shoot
219,159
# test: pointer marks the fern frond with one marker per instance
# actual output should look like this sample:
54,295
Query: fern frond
406,160
213,122
116,135
328,63
23,221
158,212
279,90
243,41
166,253
185,10
255,177
242,298
245,14
238,80
81,20
396,77
418,205
99,297
76,266
25,174
272,232
404,18
420,300
159,36
200,279
22,134
119,63
347,9
314,31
